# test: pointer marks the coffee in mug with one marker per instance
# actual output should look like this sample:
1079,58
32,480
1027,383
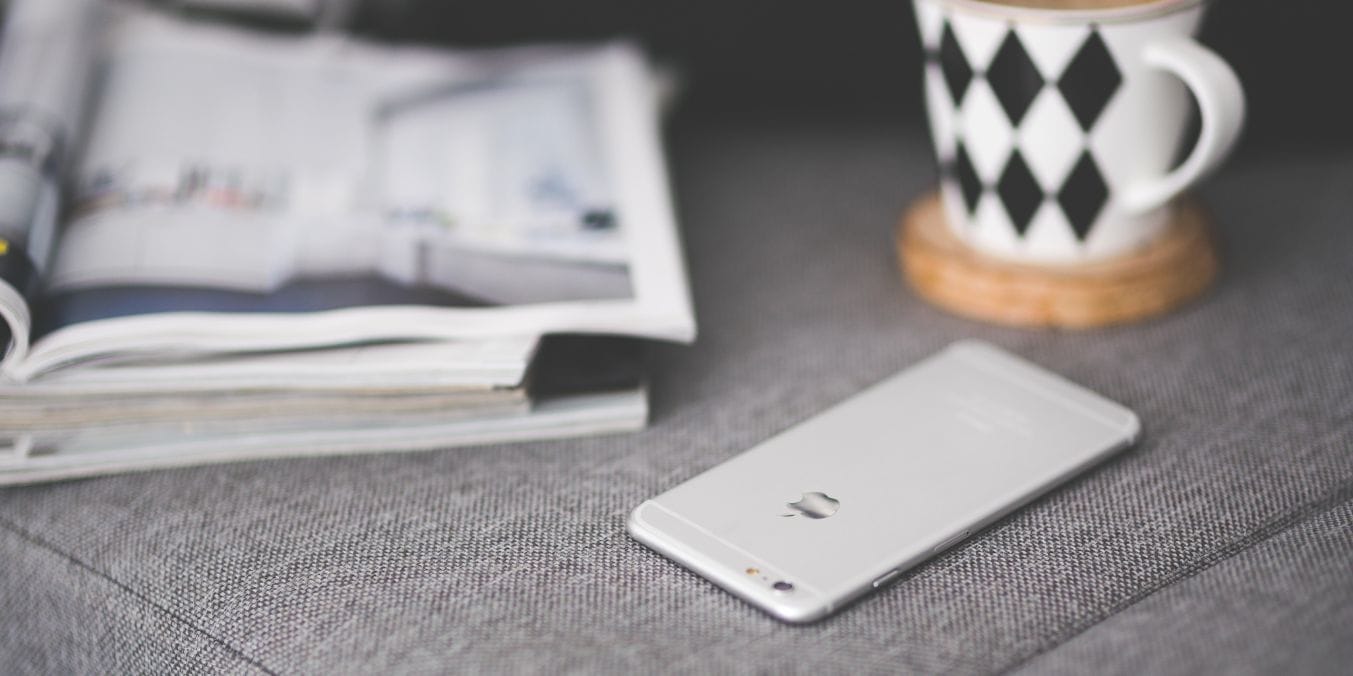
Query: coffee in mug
1056,121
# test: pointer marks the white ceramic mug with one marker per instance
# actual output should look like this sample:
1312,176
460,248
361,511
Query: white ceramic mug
1056,128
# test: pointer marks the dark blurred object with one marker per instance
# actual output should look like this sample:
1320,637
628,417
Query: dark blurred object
862,55
737,53
572,364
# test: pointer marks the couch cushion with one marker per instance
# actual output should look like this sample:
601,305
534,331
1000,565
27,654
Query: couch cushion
471,558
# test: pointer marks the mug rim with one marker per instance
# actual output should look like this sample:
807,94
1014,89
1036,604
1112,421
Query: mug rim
1080,15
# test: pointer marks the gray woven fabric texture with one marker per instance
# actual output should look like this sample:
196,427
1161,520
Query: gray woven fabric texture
515,556
1283,607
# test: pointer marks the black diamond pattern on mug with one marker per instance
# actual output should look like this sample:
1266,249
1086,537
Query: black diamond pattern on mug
1090,82
1014,78
968,181
1023,117
1083,195
957,73
1020,193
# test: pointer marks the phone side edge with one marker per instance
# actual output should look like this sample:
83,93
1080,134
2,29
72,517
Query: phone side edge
1037,378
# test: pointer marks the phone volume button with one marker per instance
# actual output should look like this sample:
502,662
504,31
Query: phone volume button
952,541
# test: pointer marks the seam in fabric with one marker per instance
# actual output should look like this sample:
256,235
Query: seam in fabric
70,558
1272,529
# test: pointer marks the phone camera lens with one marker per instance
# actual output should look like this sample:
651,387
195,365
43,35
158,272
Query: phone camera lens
782,586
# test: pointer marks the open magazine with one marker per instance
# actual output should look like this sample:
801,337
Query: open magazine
311,244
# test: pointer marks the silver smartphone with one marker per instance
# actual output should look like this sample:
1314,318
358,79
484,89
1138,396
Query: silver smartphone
843,503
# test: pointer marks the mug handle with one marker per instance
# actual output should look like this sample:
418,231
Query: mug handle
1221,99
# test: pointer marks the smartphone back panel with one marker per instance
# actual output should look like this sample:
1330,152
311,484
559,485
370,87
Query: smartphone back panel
845,501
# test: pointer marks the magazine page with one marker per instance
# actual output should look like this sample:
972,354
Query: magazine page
85,453
240,192
47,52
381,367
578,385
244,411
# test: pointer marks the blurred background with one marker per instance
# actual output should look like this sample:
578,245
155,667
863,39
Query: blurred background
860,57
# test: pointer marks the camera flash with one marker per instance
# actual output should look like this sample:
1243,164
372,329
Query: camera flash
753,571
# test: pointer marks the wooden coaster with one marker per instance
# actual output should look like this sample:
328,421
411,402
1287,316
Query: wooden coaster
1156,279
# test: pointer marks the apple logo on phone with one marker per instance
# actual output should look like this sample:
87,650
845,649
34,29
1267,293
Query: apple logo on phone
814,505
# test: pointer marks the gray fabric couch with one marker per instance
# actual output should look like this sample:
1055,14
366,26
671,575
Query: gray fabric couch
1222,543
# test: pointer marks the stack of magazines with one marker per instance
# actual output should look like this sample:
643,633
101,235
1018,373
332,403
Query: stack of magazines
217,244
